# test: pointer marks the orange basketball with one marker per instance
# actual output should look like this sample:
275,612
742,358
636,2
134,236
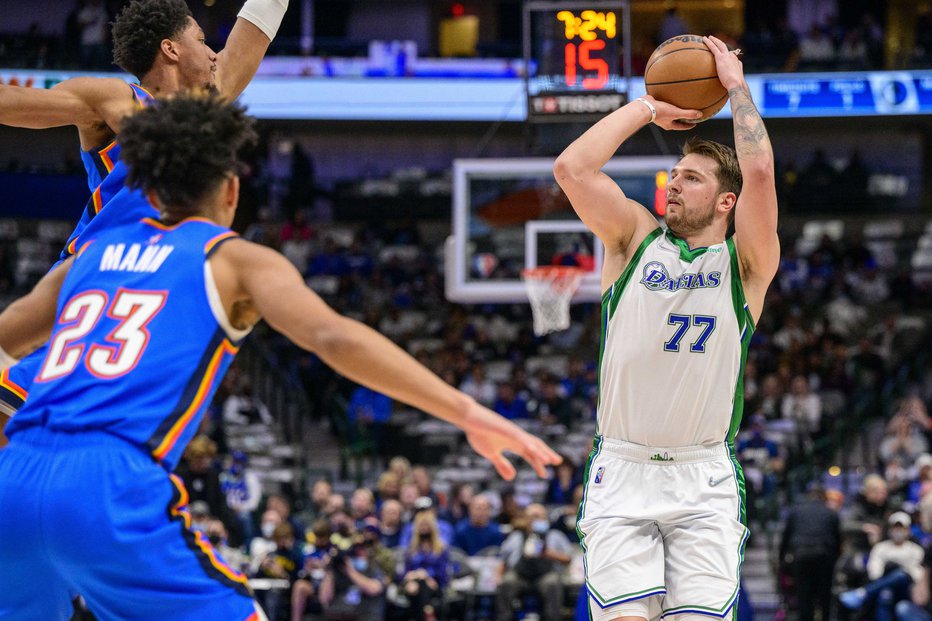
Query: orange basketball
681,71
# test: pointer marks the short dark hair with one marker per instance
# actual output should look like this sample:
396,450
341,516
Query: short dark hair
183,147
728,173
141,27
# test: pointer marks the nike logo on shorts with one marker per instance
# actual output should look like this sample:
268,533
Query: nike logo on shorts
714,482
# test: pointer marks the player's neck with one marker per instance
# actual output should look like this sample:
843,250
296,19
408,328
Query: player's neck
161,82
701,239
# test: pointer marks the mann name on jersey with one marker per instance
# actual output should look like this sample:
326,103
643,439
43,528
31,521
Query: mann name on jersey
137,258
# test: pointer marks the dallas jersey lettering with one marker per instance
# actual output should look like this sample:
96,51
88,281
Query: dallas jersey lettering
675,332
106,178
141,342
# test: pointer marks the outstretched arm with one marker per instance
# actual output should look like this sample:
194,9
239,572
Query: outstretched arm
247,44
620,223
94,105
265,280
756,210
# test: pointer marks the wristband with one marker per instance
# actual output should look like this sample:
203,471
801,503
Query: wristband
266,15
650,106
6,360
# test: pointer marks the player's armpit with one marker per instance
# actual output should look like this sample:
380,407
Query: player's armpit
27,323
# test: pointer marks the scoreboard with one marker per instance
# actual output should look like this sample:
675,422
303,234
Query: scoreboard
576,62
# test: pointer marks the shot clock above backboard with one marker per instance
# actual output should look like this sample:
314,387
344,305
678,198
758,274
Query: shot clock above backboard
576,58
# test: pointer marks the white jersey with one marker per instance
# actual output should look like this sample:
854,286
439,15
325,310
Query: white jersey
675,332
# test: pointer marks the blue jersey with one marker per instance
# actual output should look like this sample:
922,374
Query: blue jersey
105,177
141,341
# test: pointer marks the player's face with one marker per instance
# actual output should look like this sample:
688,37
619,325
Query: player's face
198,63
692,194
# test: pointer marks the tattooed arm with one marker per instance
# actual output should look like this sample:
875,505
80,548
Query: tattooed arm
756,210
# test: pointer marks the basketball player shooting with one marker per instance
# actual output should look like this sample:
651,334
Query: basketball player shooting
150,315
160,43
662,522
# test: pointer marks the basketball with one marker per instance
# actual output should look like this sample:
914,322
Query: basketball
681,71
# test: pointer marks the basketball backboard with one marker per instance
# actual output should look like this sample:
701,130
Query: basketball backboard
510,215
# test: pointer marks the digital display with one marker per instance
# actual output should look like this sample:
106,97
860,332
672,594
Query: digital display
575,61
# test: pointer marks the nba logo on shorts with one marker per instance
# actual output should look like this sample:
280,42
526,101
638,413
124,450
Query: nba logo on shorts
598,474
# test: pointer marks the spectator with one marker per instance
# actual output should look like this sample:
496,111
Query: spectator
390,523
903,443
217,534
401,467
408,496
426,568
281,504
343,527
421,479
562,483
92,20
671,25
201,476
803,407
870,509
388,487
362,506
319,497
510,511
243,491
509,404
478,386
353,586
816,49
478,531
241,408
918,607
263,543
370,411
458,506
305,589
552,408
760,458
535,556
893,566
283,563
421,505
811,545
565,521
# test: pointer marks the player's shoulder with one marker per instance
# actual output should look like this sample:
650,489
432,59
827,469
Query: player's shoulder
98,87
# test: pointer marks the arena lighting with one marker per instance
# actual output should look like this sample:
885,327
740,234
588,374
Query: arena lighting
457,10
834,471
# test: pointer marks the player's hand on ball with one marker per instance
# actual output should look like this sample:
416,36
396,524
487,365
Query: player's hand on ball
491,436
729,66
671,117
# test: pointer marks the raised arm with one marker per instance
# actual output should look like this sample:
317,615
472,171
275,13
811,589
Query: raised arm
255,27
94,105
260,278
618,221
756,211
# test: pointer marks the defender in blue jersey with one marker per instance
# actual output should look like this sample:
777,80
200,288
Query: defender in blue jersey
143,322
160,43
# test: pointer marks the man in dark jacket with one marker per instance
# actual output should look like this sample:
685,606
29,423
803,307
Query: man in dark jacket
811,545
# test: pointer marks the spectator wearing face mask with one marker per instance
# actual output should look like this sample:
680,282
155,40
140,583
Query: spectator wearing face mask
427,567
263,544
353,586
535,557
283,563
893,566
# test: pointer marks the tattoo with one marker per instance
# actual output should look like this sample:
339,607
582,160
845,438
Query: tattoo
750,134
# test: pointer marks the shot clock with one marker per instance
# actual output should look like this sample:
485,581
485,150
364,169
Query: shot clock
577,63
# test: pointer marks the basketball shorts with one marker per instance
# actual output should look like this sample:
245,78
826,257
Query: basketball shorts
15,381
662,530
94,515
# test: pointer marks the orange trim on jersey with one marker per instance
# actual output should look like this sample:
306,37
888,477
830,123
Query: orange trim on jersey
216,240
253,617
171,227
179,509
84,247
105,155
143,89
10,385
71,246
168,442
96,201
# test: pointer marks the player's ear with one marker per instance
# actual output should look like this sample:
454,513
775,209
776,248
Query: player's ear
170,49
231,194
727,200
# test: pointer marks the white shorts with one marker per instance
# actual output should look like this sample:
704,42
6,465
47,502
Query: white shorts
662,529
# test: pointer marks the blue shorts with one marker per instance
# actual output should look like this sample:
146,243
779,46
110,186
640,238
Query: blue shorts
92,514
15,381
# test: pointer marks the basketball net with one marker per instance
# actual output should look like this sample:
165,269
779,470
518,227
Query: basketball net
550,289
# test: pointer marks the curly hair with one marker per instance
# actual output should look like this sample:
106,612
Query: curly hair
140,28
183,147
